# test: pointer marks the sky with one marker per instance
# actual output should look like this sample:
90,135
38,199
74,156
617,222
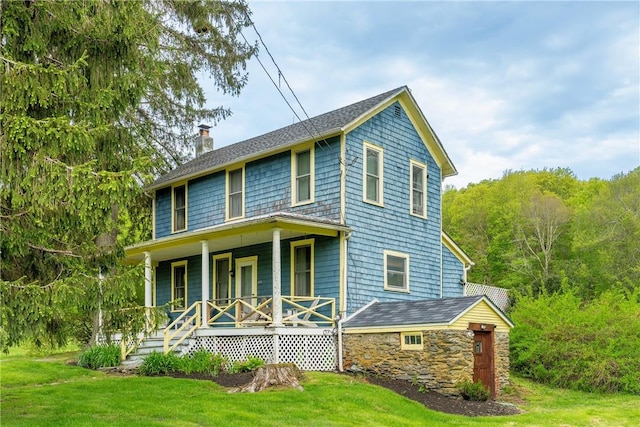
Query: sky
506,85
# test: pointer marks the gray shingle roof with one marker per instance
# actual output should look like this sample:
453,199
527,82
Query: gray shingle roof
319,126
397,313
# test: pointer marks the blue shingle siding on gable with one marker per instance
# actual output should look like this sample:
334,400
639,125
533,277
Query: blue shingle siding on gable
391,227
452,273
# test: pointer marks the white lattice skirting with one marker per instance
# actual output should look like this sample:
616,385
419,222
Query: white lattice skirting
310,350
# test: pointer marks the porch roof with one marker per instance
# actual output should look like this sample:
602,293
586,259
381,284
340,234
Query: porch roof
443,311
244,232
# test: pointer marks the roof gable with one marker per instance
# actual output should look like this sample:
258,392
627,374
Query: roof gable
314,129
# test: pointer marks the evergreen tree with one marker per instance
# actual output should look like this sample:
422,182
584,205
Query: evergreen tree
98,96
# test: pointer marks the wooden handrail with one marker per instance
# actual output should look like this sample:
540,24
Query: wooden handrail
239,312
128,346
172,331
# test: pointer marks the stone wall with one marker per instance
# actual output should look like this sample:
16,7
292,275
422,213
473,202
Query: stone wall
501,346
446,359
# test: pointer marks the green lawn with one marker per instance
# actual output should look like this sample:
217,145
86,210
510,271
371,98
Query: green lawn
44,391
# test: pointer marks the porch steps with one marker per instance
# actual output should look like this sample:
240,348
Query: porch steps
154,342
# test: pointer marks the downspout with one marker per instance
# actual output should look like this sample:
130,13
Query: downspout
343,314
441,244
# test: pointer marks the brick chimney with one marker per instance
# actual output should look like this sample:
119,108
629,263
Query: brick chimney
204,143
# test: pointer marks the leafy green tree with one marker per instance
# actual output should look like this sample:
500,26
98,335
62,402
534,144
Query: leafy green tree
97,97
606,234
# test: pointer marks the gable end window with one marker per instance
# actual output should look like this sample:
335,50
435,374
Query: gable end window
372,179
179,208
418,189
411,341
235,193
396,271
302,176
178,285
302,254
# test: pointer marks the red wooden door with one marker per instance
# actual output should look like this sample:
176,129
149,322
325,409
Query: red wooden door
483,359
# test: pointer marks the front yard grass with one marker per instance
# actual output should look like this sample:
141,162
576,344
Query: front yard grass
45,391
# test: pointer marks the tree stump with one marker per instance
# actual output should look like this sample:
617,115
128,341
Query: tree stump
282,374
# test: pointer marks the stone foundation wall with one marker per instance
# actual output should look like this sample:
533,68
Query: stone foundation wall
446,359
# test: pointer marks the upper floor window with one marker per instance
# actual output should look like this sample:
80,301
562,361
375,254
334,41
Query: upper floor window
372,174
302,173
235,193
179,211
179,285
396,271
418,187
302,268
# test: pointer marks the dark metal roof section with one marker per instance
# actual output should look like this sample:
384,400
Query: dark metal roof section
396,313
316,127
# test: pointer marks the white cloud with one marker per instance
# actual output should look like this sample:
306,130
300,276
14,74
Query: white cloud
505,86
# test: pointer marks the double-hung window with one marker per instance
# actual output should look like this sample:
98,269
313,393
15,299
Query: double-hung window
302,172
396,271
179,285
302,268
179,208
418,189
235,193
372,174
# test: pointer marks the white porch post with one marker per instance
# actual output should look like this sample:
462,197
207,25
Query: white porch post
276,270
205,281
148,300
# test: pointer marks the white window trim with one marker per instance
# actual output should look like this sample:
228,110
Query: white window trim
404,346
186,285
312,178
386,253
173,207
215,258
226,194
380,151
294,245
414,163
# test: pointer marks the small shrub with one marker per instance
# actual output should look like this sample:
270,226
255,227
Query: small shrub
157,363
202,361
100,356
473,391
252,363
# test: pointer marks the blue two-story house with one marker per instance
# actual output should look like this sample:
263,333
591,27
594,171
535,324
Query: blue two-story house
289,233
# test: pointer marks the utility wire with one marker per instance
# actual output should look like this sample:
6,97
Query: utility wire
281,75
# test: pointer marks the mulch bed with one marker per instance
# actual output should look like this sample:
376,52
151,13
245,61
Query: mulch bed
430,399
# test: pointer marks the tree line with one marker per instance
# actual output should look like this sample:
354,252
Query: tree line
568,250
543,230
